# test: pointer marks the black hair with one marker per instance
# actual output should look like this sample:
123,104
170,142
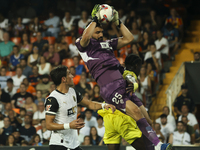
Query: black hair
132,61
99,117
180,122
22,109
163,116
166,107
184,117
82,116
16,47
57,74
42,120
88,110
7,117
72,67
97,25
10,80
3,68
196,53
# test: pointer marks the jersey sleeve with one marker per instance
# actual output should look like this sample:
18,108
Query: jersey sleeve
51,105
113,43
79,47
79,96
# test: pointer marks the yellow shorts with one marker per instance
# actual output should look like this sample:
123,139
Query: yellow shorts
118,125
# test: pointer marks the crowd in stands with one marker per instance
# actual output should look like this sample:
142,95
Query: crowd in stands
31,46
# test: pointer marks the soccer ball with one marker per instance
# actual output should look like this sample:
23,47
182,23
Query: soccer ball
106,14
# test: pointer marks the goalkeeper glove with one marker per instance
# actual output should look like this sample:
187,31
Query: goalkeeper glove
95,13
116,19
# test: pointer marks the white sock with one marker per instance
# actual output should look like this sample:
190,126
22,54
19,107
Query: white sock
158,146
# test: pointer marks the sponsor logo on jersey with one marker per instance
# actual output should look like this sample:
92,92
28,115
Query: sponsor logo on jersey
49,99
48,107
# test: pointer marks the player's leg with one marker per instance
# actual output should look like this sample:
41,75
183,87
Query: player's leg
139,144
113,146
146,115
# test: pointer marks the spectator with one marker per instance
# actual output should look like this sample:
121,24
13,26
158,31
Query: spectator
85,130
136,33
18,100
96,94
18,139
22,114
18,78
35,26
8,107
189,129
100,127
44,86
10,89
52,56
4,97
30,106
30,89
83,22
170,118
79,68
44,133
11,141
76,78
172,36
144,44
180,137
24,143
35,78
145,86
90,120
73,48
87,141
27,71
153,57
13,119
26,47
33,59
112,30
68,22
51,25
157,129
175,20
150,31
27,131
132,17
19,27
197,57
1,120
6,47
15,58
94,138
4,23
83,87
51,88
40,43
155,20
166,128
183,99
162,45
39,114
39,97
62,48
44,67
3,77
122,17
36,140
192,121
7,129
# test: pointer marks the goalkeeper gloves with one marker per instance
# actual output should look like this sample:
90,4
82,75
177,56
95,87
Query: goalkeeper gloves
116,18
95,13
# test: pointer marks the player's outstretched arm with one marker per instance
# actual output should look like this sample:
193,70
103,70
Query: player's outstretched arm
127,36
51,125
95,105
87,34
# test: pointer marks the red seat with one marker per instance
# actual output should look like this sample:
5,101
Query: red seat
50,39
68,62
10,73
33,39
92,84
121,60
16,40
68,39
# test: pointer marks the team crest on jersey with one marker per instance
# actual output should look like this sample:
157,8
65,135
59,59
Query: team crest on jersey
49,99
48,107
74,98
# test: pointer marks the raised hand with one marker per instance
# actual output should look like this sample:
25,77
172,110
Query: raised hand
95,12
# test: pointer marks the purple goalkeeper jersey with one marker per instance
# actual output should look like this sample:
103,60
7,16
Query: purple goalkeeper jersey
100,59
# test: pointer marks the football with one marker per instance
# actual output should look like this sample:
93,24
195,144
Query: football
106,14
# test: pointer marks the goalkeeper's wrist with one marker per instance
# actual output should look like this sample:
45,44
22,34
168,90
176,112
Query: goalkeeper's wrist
95,19
118,23
103,105
66,126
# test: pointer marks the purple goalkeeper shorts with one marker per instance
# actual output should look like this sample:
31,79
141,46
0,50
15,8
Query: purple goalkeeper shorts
115,93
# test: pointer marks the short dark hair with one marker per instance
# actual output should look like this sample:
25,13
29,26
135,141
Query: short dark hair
3,68
16,47
57,74
97,25
99,117
166,107
180,122
10,80
7,117
73,67
184,117
184,86
132,60
89,110
22,109
82,116
163,116
196,53
42,120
